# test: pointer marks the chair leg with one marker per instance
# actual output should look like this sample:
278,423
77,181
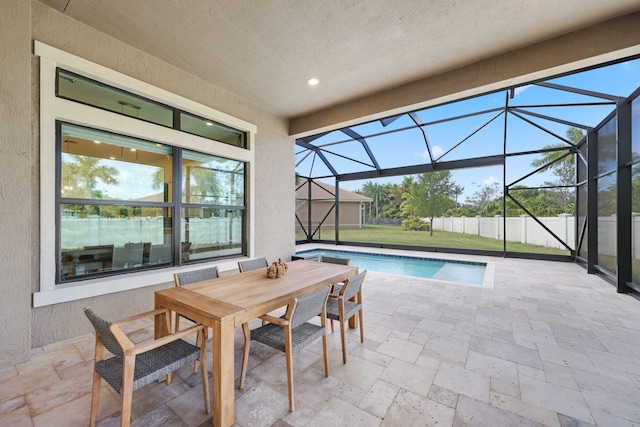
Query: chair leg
245,356
95,398
127,390
342,333
288,345
360,316
205,373
325,349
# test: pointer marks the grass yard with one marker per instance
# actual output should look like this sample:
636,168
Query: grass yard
390,234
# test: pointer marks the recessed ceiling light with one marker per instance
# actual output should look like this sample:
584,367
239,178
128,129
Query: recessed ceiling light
313,81
209,124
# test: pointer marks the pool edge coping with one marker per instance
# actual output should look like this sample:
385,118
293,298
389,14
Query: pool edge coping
488,281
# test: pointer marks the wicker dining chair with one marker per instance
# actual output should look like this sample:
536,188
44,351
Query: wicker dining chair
341,309
135,365
336,260
194,276
252,264
291,333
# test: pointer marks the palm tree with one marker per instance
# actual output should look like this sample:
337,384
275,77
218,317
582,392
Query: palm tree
377,192
562,167
81,175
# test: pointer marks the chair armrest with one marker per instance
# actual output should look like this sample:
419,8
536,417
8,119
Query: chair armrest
276,320
150,345
142,315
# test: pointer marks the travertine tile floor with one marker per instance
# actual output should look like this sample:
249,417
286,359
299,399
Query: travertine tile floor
546,344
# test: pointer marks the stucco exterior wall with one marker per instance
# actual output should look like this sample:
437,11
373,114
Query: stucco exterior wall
22,22
15,182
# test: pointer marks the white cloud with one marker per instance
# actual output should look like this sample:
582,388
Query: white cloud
436,151
521,89
490,181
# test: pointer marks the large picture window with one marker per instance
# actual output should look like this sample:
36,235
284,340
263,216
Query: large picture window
136,182
116,209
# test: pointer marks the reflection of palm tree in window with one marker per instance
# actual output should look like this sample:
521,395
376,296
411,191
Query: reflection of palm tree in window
201,184
81,175
157,179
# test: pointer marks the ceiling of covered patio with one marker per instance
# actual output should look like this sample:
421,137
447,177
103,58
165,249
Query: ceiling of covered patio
266,51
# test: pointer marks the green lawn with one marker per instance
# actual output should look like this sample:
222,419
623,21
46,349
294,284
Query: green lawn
390,234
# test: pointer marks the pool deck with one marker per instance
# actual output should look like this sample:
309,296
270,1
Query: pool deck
548,345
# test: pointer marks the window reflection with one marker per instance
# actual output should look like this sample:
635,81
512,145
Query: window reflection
212,180
212,130
207,233
81,89
106,238
101,165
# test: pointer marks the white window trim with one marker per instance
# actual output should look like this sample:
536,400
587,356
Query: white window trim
52,109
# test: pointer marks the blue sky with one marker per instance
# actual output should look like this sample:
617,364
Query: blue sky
408,147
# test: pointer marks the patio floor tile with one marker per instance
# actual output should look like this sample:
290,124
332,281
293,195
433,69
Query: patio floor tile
546,345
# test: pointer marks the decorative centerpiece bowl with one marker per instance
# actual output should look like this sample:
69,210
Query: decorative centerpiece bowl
277,269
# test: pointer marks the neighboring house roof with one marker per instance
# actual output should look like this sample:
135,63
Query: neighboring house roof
157,197
323,191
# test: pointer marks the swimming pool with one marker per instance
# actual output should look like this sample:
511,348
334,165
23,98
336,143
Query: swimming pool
467,272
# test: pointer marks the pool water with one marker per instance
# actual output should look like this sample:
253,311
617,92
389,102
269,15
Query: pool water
470,273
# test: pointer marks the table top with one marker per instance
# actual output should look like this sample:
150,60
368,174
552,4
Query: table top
247,295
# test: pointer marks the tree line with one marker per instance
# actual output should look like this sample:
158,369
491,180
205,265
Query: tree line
433,194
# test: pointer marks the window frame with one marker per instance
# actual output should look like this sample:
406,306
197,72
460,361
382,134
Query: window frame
176,260
53,108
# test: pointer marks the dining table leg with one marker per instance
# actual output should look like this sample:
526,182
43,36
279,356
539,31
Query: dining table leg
353,321
223,373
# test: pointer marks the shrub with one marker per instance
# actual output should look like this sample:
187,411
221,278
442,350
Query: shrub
414,224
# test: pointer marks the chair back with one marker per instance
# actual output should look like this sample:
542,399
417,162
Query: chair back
196,276
335,260
146,252
160,253
252,264
128,256
309,306
104,333
353,285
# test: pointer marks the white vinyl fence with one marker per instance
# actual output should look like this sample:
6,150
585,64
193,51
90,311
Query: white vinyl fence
94,230
522,229
525,229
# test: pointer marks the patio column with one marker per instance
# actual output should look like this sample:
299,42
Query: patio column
17,143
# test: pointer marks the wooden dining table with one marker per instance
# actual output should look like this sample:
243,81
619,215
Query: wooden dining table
230,301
